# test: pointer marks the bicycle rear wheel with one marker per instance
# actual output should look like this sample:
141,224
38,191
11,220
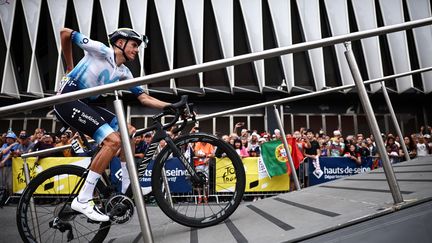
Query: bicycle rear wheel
179,197
44,213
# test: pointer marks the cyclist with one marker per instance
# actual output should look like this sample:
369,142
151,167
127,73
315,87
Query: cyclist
100,65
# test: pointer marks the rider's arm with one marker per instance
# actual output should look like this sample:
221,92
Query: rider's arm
149,101
66,43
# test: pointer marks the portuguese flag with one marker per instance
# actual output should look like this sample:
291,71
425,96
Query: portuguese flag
274,157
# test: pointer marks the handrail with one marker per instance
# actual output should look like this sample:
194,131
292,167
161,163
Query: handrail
217,64
309,95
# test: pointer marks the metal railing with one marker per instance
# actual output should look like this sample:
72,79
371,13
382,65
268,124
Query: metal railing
153,78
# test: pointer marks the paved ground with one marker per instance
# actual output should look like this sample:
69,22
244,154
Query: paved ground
323,213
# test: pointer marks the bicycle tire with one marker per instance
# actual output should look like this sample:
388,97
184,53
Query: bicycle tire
182,207
51,201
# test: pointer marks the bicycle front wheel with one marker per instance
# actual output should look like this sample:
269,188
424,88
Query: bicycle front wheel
201,203
44,213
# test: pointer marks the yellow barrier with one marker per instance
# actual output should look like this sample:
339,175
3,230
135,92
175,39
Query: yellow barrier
255,181
59,183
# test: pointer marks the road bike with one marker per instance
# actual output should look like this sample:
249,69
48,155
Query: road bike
44,213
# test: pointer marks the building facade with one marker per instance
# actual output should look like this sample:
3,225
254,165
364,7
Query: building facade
188,32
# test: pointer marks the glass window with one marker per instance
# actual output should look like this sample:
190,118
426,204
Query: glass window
347,124
299,121
332,123
223,126
315,123
257,123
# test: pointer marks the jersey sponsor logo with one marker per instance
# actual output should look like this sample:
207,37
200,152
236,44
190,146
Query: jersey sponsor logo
89,118
75,111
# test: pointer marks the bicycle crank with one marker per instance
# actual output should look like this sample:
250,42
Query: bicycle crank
120,208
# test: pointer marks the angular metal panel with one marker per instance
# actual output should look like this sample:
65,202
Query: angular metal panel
83,12
110,11
281,15
311,25
35,83
252,13
7,13
32,10
364,11
9,85
419,9
57,10
392,13
337,12
223,11
138,15
194,11
166,13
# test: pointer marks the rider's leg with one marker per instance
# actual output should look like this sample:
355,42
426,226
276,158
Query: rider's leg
83,202
100,162
125,173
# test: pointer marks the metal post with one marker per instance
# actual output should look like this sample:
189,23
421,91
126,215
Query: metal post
133,174
394,119
373,124
285,142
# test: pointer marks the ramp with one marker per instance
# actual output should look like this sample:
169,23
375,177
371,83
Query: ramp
353,209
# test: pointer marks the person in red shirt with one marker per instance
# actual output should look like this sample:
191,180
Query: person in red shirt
203,153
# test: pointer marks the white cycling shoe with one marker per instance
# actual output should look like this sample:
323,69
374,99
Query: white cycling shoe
89,209
146,190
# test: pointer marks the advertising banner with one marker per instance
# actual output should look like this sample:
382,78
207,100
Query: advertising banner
257,179
337,167
62,184
175,171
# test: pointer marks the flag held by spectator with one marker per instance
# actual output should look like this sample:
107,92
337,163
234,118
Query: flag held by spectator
274,157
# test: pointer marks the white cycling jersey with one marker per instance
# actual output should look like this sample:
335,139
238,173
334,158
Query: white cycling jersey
98,66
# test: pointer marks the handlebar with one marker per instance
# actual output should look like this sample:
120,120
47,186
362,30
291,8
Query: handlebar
179,109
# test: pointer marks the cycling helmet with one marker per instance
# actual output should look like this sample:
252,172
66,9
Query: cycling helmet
127,34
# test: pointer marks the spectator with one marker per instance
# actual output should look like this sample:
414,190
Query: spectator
394,148
254,142
352,154
46,142
422,147
393,156
425,130
312,152
364,149
371,146
65,140
7,151
277,134
37,136
411,147
241,151
254,152
219,153
302,141
139,150
203,153
324,147
428,141
25,145
336,146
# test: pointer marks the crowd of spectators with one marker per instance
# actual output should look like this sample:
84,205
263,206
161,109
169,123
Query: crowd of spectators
246,142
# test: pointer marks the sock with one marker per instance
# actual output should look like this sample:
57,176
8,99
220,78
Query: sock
86,192
125,177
